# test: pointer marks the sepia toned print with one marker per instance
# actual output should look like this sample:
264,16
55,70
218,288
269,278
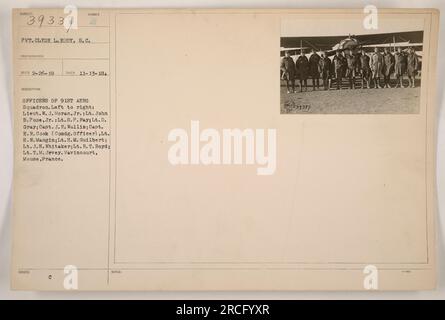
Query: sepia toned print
147,160
368,73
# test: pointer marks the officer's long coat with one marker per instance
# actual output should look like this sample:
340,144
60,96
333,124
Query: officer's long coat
388,62
324,68
313,65
351,63
376,64
288,68
412,64
399,63
338,63
365,69
302,65
364,62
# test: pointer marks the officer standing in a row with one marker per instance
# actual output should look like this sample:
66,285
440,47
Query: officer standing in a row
388,68
339,64
289,72
399,67
365,69
412,67
351,64
376,67
302,66
324,68
314,61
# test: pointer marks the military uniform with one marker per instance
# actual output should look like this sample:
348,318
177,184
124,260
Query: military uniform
412,67
339,64
399,64
399,67
289,72
351,63
365,70
388,67
412,64
302,66
324,68
376,67
313,69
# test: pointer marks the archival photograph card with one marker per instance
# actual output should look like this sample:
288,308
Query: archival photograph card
227,149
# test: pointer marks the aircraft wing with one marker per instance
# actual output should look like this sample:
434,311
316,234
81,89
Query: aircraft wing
331,43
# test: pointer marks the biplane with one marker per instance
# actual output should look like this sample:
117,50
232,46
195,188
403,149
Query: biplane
330,44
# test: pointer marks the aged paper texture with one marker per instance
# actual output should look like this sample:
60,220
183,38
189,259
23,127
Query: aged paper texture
332,183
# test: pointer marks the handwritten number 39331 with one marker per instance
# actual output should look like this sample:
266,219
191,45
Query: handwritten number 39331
45,20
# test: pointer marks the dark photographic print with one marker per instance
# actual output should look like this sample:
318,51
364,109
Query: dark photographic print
351,73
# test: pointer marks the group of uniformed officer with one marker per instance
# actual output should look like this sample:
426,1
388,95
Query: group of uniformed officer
371,69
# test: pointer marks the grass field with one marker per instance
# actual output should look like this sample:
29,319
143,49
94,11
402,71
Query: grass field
390,101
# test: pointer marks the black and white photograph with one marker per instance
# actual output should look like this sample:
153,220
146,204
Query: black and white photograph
351,73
